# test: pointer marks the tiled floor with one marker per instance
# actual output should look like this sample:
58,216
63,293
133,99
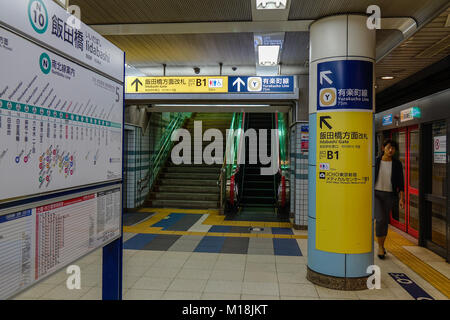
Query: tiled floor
154,274
226,267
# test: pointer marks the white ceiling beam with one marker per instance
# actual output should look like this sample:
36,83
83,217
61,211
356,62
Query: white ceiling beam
406,25
202,27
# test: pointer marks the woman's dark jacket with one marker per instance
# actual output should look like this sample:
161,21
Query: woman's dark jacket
397,178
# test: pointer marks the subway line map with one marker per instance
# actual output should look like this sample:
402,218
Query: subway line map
60,123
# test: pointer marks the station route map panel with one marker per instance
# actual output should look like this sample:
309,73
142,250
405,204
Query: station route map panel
60,123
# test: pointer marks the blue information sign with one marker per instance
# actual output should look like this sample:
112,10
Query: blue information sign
261,84
345,84
387,120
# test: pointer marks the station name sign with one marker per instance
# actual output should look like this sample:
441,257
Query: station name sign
213,84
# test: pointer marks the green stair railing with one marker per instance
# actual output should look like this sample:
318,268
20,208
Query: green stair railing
164,147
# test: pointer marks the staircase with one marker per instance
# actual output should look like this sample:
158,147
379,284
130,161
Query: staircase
191,185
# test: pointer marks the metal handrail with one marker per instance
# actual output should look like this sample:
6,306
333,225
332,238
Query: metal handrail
164,146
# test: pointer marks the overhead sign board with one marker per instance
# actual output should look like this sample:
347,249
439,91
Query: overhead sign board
176,84
410,114
387,120
46,21
275,84
266,84
345,84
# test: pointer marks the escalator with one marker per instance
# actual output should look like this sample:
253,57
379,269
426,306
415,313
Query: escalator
258,196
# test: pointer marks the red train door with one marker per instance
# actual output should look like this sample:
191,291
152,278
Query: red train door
407,219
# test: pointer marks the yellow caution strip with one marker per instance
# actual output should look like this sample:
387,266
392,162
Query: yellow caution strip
394,244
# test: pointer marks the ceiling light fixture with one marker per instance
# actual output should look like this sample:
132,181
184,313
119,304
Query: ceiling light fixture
387,78
271,4
268,55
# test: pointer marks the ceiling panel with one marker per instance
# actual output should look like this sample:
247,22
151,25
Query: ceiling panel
187,49
410,57
160,11
314,9
295,50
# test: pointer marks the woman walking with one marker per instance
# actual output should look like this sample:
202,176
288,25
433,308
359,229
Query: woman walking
389,182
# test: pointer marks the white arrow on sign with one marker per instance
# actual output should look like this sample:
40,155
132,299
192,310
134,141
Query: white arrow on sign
239,81
323,75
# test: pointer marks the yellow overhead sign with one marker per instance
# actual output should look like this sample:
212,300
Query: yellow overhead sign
176,84
344,182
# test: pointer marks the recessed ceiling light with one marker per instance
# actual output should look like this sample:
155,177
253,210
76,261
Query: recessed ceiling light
271,4
387,78
268,55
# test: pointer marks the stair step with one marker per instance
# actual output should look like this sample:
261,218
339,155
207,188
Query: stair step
189,182
188,189
185,196
183,204
183,169
193,165
186,175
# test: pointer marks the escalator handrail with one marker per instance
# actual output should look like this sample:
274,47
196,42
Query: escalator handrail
228,169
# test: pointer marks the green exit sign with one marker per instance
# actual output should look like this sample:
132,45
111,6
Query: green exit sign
410,114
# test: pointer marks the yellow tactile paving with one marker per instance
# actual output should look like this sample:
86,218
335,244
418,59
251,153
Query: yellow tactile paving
395,244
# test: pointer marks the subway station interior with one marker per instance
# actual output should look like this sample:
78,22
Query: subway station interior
224,150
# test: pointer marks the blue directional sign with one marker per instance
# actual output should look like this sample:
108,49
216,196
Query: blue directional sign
345,84
261,84
387,120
